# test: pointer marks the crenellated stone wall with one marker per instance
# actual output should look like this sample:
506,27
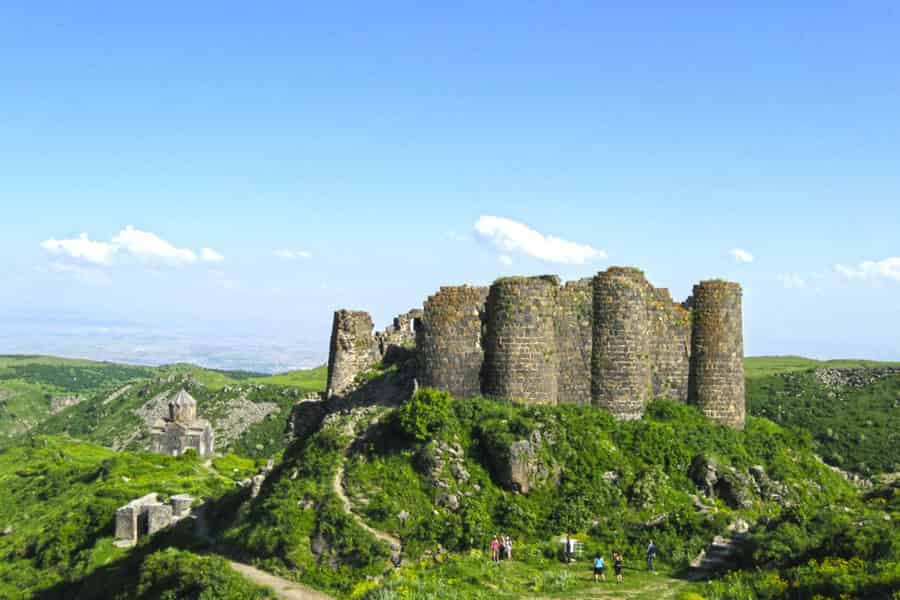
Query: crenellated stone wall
520,356
621,361
614,341
716,383
448,340
574,341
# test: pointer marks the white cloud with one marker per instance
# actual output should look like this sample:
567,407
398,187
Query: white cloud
149,246
740,255
82,248
505,259
792,281
293,254
129,242
889,268
512,236
210,255
458,237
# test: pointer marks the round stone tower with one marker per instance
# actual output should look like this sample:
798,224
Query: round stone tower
716,382
621,363
352,349
520,354
448,340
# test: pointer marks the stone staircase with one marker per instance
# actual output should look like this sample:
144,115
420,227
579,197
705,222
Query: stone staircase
720,554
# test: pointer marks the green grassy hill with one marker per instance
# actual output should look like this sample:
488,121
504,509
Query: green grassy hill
442,476
58,499
854,425
762,366
29,384
109,399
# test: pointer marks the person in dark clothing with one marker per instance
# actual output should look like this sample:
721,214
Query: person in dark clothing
651,554
617,565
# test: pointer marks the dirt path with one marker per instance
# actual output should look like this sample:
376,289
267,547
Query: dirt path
337,485
284,588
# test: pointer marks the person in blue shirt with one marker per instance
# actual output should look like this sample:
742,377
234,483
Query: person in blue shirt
599,568
651,554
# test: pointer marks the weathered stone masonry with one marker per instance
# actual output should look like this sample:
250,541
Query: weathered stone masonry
354,348
520,356
449,340
621,365
717,352
614,341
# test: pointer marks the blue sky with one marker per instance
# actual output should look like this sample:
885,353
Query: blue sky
342,156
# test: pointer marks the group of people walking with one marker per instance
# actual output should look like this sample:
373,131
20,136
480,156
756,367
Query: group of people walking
600,561
501,548
619,562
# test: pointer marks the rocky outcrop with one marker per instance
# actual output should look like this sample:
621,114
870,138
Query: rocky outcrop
60,403
518,466
736,488
305,418
239,415
852,378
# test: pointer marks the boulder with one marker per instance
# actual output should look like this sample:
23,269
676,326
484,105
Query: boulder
704,472
735,488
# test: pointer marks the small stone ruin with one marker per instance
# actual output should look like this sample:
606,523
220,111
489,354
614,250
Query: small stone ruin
147,515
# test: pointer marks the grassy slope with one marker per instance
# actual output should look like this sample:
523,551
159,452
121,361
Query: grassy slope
27,384
857,429
762,366
31,381
391,474
59,498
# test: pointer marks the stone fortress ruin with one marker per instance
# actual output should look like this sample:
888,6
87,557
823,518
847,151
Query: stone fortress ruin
613,341
147,515
181,430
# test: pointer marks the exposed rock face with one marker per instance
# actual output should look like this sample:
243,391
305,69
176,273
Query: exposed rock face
735,488
240,415
306,416
60,403
518,466
852,378
704,473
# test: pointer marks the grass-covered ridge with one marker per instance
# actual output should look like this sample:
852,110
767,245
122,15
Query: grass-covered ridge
855,427
58,499
107,396
434,473
762,366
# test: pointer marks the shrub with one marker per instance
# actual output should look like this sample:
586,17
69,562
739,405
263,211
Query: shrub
426,415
